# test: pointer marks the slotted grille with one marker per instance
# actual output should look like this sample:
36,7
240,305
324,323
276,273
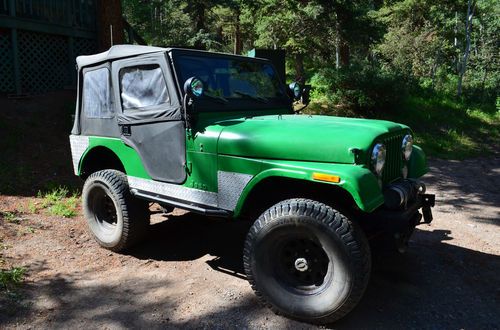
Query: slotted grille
6,69
44,62
394,158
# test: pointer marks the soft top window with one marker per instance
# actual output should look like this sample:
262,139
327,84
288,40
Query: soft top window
142,86
97,94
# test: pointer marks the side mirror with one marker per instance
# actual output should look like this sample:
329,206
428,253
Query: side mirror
295,90
194,87
299,94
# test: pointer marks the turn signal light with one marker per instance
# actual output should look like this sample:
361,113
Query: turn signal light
326,177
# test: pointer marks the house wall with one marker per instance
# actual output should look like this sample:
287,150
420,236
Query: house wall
40,39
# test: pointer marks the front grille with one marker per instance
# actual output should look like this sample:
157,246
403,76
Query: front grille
394,158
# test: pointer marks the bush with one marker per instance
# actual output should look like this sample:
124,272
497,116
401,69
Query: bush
361,87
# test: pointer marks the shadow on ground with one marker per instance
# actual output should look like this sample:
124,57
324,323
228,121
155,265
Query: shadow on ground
468,185
435,285
191,236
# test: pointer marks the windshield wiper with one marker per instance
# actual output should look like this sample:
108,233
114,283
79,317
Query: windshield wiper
254,97
220,99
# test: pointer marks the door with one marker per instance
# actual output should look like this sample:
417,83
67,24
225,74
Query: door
149,115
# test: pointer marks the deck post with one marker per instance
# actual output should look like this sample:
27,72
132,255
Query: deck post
15,49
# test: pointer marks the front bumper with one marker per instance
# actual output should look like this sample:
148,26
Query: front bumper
400,220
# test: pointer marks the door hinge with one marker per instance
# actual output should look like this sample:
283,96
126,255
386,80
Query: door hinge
126,130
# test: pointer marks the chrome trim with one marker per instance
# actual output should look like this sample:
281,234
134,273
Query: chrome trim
230,187
174,191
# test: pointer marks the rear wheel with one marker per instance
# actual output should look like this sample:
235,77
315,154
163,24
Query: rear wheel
307,261
115,218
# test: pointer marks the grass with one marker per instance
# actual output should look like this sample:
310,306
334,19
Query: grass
443,127
11,217
59,202
11,278
450,129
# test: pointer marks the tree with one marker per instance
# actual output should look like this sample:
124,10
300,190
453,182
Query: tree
471,6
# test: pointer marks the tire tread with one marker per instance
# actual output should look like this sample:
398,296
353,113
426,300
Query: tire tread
349,232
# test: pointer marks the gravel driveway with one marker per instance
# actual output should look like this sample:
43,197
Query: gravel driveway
189,272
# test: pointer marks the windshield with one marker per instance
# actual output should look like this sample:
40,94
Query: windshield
226,78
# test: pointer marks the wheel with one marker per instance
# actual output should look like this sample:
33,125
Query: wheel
115,218
307,261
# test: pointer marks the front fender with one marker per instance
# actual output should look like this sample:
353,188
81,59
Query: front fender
417,166
357,180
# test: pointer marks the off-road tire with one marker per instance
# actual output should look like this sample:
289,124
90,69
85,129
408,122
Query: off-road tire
115,218
305,225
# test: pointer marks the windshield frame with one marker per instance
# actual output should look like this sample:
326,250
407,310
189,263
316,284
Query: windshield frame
206,104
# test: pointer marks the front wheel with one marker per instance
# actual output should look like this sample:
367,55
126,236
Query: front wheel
307,261
115,218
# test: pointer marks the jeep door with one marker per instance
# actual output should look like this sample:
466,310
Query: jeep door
149,115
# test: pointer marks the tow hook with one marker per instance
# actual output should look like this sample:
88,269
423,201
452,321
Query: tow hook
428,201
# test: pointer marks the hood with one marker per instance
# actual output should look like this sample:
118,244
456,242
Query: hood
301,137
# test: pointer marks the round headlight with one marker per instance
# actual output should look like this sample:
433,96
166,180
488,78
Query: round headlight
378,158
407,146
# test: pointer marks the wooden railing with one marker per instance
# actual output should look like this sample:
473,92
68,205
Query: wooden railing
78,14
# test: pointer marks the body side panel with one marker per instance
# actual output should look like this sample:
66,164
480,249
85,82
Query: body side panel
127,155
358,181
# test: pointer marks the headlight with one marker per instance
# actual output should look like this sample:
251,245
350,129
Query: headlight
378,158
407,146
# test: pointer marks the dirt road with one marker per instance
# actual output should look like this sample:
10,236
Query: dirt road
189,272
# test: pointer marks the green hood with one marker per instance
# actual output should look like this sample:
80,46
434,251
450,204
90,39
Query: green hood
301,137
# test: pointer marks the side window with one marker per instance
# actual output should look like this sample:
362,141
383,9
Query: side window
97,94
142,86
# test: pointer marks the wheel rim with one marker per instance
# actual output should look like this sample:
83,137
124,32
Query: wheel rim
301,264
103,209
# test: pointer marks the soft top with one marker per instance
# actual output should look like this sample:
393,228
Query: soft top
118,51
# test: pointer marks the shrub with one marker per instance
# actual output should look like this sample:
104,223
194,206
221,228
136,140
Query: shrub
362,87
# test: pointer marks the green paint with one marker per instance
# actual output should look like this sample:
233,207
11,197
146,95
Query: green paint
417,166
128,156
294,137
290,146
355,179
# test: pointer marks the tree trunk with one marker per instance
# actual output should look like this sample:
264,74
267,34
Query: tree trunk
238,41
345,53
337,46
110,25
468,30
200,25
342,45
299,69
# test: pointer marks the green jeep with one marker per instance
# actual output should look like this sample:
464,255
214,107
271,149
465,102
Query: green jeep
217,134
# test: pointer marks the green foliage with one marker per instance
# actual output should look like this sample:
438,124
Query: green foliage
361,86
11,278
450,128
32,208
59,202
11,217
397,59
